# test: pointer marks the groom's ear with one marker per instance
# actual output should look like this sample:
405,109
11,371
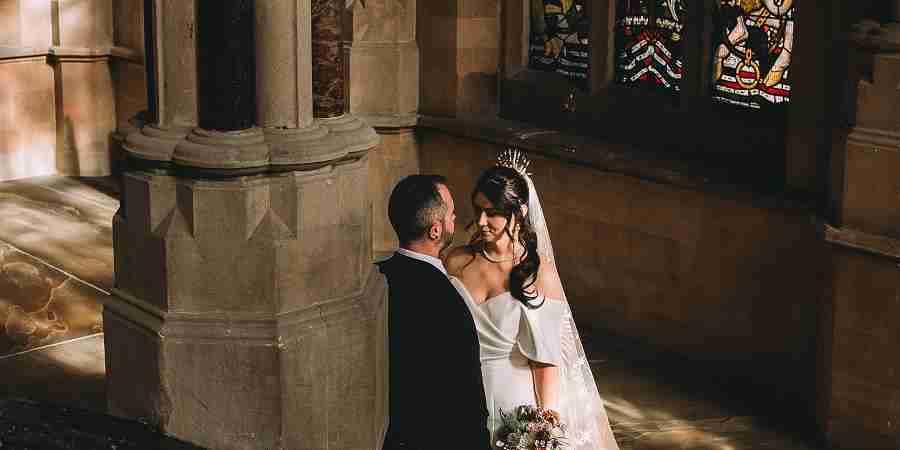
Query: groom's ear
524,210
434,231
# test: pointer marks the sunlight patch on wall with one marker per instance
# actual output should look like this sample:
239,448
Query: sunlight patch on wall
27,119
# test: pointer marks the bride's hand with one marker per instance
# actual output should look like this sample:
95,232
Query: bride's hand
552,416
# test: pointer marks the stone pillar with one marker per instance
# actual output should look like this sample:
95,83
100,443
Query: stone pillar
172,81
246,312
858,401
384,91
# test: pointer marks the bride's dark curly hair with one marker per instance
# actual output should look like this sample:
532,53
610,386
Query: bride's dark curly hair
507,190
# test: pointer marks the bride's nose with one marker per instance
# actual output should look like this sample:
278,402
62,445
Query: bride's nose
482,219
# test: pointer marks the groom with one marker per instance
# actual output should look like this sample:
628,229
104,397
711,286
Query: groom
436,391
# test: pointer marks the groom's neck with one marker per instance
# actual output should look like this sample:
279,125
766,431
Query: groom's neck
425,248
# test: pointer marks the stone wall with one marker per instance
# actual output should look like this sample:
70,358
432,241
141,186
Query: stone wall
129,77
859,401
862,403
460,42
58,97
27,118
700,273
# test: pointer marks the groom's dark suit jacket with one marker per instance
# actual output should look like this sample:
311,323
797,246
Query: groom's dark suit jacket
436,390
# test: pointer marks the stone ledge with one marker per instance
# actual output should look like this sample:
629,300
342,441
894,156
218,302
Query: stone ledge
858,240
263,328
13,53
384,123
71,53
878,139
654,166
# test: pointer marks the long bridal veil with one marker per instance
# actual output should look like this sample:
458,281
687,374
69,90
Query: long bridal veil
580,404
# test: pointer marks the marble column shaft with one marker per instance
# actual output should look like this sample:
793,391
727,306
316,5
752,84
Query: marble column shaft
329,79
327,58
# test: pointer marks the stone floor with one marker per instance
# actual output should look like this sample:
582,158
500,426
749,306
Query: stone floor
56,268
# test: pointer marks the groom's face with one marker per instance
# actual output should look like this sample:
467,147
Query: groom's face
449,221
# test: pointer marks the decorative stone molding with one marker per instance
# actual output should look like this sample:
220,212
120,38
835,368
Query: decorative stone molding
869,243
310,145
884,37
208,149
153,143
874,138
871,34
356,134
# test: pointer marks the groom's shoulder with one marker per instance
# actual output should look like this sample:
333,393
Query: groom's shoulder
402,265
405,274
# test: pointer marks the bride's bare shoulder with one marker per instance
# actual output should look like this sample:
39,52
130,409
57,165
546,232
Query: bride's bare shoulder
458,258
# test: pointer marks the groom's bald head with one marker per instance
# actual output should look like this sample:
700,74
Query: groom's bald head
415,204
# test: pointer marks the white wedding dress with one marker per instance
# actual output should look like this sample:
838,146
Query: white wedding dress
510,334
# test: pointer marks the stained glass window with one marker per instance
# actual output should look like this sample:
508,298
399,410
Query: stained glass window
752,57
648,44
559,38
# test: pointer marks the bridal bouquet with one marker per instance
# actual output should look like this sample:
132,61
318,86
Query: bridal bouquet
531,428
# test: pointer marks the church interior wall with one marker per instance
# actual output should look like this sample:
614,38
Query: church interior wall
686,271
60,98
129,77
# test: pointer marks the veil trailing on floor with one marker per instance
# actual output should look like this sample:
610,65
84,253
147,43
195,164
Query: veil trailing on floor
579,404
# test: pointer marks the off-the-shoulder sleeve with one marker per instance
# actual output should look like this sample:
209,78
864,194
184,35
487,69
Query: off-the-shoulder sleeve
539,332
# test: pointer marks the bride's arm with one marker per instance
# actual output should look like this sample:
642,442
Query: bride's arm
546,377
546,384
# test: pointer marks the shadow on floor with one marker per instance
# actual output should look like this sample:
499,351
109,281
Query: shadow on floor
28,424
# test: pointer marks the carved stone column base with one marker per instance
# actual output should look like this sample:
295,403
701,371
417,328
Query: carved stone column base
310,145
247,313
154,144
355,133
210,149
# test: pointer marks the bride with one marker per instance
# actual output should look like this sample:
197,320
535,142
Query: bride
530,349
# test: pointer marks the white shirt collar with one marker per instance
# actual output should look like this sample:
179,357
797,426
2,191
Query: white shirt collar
425,258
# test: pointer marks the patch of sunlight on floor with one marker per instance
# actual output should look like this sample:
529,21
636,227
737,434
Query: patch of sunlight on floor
84,356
